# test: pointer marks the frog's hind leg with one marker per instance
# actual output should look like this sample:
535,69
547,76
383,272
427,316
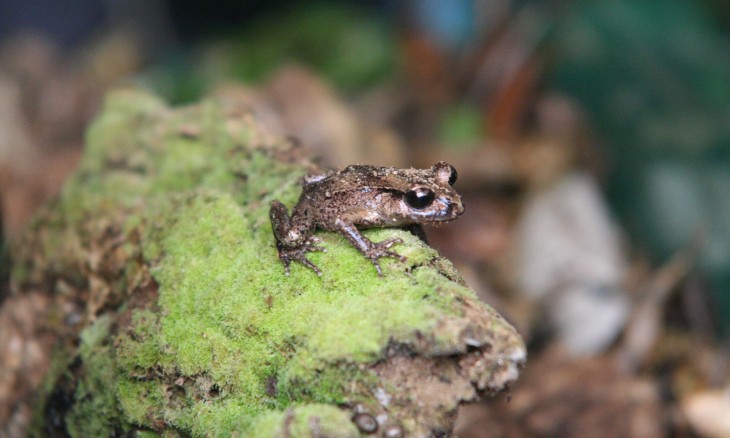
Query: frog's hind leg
293,240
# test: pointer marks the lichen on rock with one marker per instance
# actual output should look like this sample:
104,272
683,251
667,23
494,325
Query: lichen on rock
173,313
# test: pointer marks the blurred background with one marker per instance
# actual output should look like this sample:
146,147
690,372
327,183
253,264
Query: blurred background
592,140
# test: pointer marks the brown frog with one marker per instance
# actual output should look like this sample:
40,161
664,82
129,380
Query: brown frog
364,197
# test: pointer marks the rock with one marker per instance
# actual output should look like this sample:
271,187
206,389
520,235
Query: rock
169,312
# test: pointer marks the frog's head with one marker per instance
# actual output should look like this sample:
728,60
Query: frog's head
431,196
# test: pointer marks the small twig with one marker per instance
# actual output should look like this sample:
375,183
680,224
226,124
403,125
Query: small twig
645,325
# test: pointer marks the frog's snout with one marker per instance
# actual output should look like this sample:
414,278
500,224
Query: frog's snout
453,208
456,209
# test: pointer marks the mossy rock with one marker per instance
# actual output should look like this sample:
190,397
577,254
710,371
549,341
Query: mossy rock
174,317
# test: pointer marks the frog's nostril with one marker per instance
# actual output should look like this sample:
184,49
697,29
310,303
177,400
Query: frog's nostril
456,209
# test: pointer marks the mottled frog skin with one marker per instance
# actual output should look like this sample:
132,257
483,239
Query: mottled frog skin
360,197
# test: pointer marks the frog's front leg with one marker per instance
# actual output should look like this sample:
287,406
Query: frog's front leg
371,250
293,236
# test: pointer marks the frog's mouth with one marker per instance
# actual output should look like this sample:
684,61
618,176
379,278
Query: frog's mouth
437,222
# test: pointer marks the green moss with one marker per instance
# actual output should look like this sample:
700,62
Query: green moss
141,402
137,351
226,305
305,421
234,342
95,411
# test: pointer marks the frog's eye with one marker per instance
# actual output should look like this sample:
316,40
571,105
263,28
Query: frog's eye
420,197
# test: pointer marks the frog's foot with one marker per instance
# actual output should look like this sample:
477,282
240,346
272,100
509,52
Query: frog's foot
382,249
299,254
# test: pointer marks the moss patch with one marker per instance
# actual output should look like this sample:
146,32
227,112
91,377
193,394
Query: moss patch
305,421
95,411
231,314
231,344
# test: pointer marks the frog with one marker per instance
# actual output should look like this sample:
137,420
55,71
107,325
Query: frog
360,197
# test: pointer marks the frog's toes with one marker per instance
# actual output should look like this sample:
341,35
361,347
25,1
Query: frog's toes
299,254
311,245
305,261
389,242
381,249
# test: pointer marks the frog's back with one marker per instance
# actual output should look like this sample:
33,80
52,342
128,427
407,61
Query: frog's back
359,177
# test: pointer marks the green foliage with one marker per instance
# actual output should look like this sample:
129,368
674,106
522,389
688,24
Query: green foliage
653,77
351,48
462,127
